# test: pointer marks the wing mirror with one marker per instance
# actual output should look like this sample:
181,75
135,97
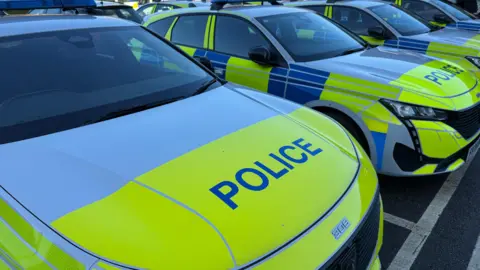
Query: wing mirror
377,32
261,55
441,18
205,62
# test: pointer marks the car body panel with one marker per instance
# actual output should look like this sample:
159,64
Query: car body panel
354,84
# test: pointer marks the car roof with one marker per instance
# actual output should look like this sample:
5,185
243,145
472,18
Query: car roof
352,3
19,25
248,11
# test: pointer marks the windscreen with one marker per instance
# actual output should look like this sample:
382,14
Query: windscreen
454,11
401,21
308,37
54,81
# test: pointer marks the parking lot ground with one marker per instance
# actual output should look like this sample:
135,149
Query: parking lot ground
432,222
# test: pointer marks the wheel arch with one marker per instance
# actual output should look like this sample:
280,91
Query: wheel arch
324,106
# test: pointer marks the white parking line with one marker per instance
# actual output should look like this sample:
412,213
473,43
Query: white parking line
407,224
421,230
475,259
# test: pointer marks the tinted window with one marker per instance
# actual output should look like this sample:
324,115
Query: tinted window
236,37
69,78
308,37
403,22
164,7
161,27
146,10
38,11
458,13
127,13
319,9
190,30
355,20
422,9
53,11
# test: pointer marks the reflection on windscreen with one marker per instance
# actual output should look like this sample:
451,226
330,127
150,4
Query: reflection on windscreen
403,22
456,12
59,80
307,36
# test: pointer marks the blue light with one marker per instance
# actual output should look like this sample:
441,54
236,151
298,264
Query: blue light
40,4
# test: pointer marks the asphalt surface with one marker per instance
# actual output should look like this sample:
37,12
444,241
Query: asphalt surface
449,245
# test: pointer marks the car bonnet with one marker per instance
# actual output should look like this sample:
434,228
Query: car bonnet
402,75
198,182
447,40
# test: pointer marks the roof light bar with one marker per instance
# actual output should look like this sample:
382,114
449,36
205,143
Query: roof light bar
219,4
41,4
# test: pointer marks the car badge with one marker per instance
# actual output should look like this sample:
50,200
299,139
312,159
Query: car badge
340,228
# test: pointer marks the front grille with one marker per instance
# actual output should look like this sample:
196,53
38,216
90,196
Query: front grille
358,251
466,122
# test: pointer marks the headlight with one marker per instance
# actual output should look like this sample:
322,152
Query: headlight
474,60
408,111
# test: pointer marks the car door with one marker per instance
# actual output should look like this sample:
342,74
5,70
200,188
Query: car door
233,38
359,22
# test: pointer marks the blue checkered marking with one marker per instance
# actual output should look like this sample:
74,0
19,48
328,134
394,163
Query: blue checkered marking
379,139
466,26
200,52
277,81
305,84
391,43
412,44
219,63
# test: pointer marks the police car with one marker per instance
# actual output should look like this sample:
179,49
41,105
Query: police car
413,114
119,151
382,23
441,13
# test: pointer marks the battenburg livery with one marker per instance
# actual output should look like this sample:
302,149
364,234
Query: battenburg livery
381,23
441,13
119,151
414,114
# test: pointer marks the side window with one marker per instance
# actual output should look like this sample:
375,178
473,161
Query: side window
161,27
239,42
355,20
190,30
164,7
424,10
54,11
38,11
318,9
146,10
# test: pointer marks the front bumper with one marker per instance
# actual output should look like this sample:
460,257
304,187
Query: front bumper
432,148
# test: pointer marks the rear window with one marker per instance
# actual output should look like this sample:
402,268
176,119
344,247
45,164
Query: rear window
126,13
59,80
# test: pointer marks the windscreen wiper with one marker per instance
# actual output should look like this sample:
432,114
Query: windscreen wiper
204,87
132,109
352,51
